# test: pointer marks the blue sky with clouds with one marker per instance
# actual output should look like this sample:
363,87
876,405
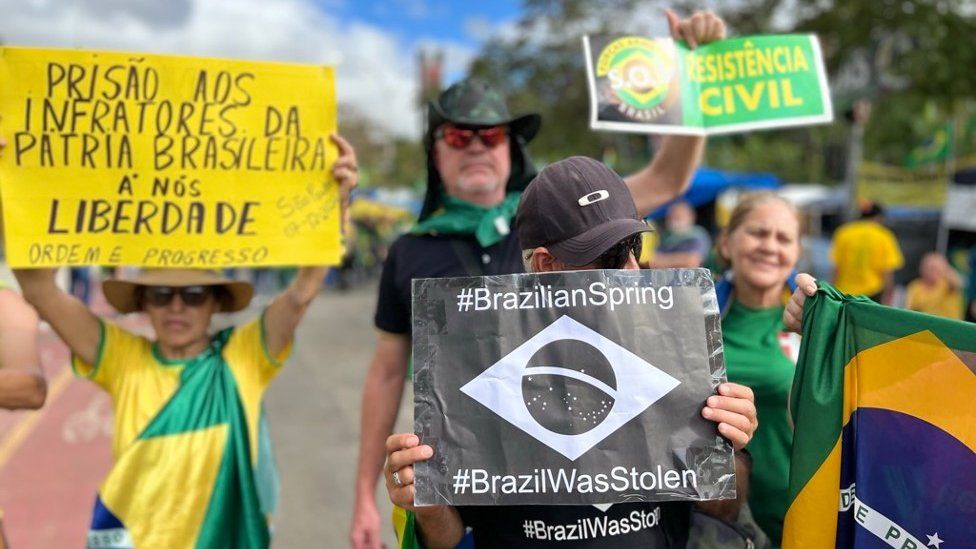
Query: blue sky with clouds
372,44
458,28
409,20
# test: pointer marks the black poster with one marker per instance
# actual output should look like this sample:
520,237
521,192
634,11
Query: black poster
580,387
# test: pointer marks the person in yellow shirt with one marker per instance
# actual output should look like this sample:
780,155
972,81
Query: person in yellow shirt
938,291
193,464
865,255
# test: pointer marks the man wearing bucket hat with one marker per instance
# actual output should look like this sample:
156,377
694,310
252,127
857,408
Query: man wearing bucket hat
477,168
560,231
192,460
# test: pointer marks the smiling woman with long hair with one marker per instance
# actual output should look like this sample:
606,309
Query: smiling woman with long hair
762,244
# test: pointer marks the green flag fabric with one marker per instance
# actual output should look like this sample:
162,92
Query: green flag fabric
884,451
935,149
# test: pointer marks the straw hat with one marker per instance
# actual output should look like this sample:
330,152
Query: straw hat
122,294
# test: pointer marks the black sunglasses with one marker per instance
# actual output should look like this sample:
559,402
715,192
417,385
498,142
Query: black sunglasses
191,296
618,255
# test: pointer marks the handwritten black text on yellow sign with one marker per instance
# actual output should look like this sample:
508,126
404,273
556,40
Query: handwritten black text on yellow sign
166,161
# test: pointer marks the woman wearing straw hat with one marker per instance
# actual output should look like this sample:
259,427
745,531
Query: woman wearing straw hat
190,445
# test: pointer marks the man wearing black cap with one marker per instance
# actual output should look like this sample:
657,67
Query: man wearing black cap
577,214
477,168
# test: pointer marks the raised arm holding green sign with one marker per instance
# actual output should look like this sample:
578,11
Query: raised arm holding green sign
658,85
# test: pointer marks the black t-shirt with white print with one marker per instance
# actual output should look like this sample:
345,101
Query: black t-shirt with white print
623,526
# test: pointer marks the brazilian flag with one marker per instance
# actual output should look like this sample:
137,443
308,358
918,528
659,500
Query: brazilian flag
405,527
936,149
884,407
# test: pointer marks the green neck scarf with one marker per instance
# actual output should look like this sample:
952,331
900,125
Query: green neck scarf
458,217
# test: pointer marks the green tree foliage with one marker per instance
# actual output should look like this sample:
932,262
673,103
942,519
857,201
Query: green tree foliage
911,58
917,60
540,66
542,70
385,160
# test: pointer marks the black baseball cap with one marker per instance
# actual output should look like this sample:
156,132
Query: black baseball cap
578,208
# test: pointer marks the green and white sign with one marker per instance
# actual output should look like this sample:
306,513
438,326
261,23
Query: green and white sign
658,85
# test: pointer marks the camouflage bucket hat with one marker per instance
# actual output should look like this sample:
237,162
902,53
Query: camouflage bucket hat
473,102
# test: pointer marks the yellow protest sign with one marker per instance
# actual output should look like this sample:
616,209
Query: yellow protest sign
162,161
894,185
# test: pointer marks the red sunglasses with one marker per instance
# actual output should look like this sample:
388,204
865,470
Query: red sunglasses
459,138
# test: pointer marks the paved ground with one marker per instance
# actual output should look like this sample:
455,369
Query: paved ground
52,461
314,409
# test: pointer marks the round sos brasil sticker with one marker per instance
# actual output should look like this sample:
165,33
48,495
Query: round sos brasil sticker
639,72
